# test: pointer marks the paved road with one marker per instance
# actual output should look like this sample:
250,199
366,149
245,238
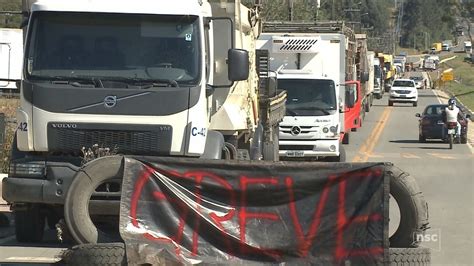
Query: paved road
388,134
445,176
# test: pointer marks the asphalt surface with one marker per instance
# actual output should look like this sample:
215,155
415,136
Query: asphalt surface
446,177
389,134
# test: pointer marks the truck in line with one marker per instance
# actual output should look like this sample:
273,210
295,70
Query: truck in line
363,69
436,48
175,80
312,62
378,78
11,50
388,68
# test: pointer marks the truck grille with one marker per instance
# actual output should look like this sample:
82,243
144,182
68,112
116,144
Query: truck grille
126,139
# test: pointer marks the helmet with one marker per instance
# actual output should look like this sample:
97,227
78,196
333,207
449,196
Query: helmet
452,101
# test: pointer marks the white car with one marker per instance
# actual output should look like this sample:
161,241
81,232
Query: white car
403,91
419,82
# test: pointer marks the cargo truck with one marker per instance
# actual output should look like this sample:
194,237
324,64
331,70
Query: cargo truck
175,80
436,48
11,52
378,79
389,69
314,63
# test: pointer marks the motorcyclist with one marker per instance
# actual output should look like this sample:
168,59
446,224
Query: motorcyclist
451,115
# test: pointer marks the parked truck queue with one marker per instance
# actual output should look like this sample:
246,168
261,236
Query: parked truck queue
172,125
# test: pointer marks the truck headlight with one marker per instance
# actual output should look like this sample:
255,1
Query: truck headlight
333,129
325,130
27,169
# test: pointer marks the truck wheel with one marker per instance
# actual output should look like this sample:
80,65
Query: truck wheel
345,139
421,139
96,254
29,224
412,205
410,256
464,138
390,103
367,106
76,206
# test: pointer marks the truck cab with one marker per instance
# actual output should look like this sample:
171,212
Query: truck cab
98,79
311,126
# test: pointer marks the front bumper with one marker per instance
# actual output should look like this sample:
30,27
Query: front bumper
50,190
310,148
399,98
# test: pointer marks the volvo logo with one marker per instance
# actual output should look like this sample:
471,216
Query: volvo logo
64,126
296,130
110,101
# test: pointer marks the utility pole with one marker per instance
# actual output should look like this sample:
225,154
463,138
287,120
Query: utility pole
290,10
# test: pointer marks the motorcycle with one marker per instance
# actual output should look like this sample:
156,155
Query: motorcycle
452,126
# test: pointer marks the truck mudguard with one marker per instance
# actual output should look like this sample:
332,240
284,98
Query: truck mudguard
227,212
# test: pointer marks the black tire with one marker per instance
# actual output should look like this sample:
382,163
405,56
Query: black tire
464,139
345,139
413,208
96,254
390,103
29,224
450,141
342,154
410,256
421,139
367,106
76,206
415,104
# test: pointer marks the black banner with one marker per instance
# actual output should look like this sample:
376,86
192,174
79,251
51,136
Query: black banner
229,212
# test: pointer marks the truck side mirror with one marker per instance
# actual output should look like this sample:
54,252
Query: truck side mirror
364,77
238,64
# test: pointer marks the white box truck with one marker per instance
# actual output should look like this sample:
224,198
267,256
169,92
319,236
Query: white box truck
310,65
11,55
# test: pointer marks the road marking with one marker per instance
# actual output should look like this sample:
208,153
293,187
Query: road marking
33,259
442,156
410,156
367,148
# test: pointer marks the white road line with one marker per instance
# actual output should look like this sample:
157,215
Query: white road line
31,259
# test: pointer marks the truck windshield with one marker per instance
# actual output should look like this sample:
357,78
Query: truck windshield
131,47
309,97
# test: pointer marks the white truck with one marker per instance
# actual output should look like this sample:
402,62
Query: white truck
177,79
11,52
310,64
468,47
378,79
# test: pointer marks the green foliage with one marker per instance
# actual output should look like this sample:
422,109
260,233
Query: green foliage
374,14
432,18
8,20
